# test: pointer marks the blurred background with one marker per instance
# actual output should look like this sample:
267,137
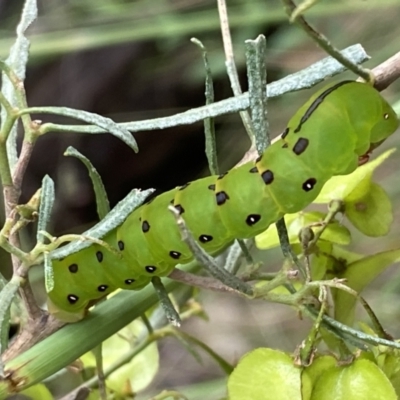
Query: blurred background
133,60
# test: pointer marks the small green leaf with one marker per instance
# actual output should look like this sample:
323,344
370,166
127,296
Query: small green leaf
48,273
358,275
265,374
340,187
359,381
371,214
334,232
320,262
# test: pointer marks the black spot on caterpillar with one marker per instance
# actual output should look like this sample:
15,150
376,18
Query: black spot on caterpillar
309,184
222,198
268,177
300,146
145,226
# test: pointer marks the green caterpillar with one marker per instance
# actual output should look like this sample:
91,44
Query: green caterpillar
331,134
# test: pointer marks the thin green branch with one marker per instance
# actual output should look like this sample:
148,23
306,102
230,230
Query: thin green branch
307,348
324,43
301,8
287,250
7,246
166,303
102,203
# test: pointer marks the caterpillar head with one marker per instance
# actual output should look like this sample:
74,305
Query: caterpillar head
384,126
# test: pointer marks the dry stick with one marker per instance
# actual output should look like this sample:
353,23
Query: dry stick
209,126
201,282
387,72
230,64
26,292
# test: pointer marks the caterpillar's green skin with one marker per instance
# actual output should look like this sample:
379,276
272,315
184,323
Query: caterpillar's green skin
327,136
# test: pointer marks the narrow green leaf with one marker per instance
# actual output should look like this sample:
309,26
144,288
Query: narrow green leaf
47,197
7,295
4,324
48,273
257,75
103,205
225,366
17,60
209,127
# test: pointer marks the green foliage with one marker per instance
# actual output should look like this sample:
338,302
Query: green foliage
359,380
138,372
267,373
